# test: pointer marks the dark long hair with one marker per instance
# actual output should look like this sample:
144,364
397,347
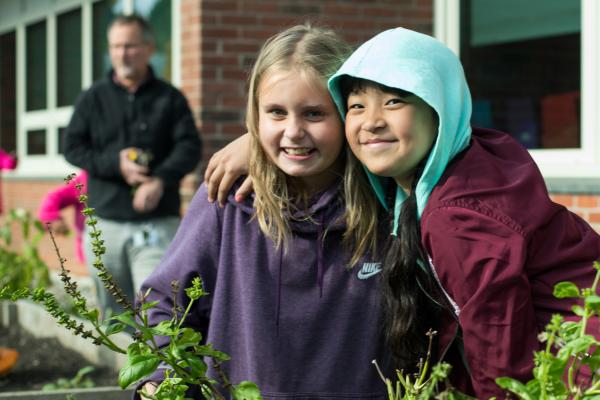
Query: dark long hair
407,287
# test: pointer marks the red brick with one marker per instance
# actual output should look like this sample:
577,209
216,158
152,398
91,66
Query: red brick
564,199
240,20
218,5
587,201
220,33
336,9
220,60
259,7
235,74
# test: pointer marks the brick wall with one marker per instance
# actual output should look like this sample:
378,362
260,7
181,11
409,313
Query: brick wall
232,31
27,194
586,206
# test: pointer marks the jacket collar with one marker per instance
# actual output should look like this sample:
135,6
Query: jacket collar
150,77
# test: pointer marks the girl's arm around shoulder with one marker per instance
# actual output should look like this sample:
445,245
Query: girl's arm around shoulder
479,260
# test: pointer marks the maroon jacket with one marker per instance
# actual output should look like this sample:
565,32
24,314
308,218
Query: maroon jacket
498,245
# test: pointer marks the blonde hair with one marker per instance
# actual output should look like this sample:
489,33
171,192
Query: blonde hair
316,53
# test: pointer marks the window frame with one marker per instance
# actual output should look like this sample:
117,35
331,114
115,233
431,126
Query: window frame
52,118
557,165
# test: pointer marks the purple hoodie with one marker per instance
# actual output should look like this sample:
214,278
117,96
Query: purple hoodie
300,324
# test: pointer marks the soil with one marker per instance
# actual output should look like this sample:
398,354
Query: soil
44,360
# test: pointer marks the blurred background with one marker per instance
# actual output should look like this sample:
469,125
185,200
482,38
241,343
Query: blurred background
532,67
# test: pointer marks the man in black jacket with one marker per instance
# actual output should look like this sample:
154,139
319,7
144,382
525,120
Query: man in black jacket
135,136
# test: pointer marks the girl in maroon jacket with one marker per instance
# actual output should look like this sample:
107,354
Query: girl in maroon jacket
471,211
473,229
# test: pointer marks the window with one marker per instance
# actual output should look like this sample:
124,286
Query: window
68,57
35,66
8,94
158,14
102,13
532,69
523,62
36,142
61,136
49,52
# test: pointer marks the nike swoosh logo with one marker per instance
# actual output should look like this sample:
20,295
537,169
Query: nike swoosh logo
368,270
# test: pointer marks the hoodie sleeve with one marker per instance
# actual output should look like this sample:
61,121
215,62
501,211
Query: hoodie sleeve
7,160
55,200
479,259
193,252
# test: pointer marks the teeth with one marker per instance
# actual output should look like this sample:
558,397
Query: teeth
297,151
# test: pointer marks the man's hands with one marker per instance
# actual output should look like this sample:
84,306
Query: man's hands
225,166
133,173
148,189
147,195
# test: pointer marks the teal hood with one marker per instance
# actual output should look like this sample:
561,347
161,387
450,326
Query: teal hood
417,63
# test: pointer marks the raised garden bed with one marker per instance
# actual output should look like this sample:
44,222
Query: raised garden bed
49,352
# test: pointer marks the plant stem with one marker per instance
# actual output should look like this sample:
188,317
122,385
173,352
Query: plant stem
106,340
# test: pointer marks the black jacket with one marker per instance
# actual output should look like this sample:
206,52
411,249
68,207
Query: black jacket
155,118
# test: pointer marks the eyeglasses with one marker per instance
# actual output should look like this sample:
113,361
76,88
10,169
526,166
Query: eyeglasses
126,46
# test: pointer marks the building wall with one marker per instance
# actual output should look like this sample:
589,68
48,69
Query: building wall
586,206
219,41
232,31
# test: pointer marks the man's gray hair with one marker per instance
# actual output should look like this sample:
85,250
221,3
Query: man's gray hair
130,19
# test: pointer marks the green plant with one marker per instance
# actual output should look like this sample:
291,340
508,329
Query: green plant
568,352
424,384
23,268
80,380
184,356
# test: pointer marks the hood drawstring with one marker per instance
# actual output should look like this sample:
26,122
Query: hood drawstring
278,304
320,243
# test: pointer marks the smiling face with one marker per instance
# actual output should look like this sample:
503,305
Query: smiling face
390,133
299,128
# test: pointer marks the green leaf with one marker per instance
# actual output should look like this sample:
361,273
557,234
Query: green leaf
514,386
164,328
92,315
171,389
115,328
578,310
246,391
593,361
195,291
128,319
593,302
197,365
137,367
208,351
189,337
564,290
147,306
579,345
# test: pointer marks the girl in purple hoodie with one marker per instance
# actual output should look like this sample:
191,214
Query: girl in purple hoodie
294,289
